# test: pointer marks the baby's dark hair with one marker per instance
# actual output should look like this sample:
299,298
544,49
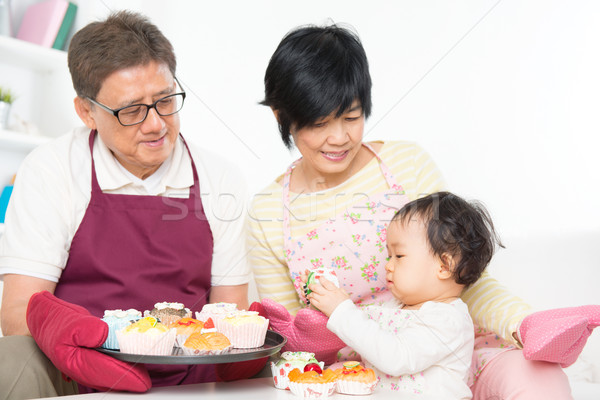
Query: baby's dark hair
462,229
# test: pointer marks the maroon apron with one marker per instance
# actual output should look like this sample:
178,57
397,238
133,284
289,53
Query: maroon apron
135,251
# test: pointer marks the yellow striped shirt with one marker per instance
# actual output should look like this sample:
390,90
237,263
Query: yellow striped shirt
491,305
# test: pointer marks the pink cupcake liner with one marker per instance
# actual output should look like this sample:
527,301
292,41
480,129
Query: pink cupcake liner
312,390
147,344
244,336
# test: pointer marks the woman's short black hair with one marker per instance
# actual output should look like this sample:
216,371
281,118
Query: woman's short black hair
314,72
462,229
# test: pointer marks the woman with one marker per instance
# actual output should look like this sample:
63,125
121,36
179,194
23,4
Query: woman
333,206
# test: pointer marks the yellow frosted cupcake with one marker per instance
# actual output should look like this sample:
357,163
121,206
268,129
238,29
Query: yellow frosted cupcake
146,336
353,378
210,343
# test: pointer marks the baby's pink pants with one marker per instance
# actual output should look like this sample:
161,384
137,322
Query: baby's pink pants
509,376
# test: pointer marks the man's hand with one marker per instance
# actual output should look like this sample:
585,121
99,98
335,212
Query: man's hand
326,296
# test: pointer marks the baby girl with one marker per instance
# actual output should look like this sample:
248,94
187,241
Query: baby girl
423,341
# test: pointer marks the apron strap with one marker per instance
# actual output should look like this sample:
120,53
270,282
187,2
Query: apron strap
194,190
287,232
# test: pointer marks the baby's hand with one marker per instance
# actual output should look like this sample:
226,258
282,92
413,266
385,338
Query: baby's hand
326,296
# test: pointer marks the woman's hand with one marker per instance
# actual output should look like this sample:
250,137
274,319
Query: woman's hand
326,296
303,278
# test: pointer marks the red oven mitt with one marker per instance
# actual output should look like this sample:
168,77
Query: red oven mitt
305,332
68,333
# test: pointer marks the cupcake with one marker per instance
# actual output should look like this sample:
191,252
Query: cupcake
209,326
312,384
210,343
147,336
116,320
245,329
216,311
185,327
353,378
168,313
290,360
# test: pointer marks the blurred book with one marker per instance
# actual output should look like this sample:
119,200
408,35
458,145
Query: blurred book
65,27
47,23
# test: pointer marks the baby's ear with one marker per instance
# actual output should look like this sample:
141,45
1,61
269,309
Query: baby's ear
446,267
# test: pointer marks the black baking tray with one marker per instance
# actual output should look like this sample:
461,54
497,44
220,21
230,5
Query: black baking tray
273,343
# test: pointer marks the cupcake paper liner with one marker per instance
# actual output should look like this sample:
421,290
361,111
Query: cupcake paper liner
147,344
353,387
113,326
312,390
188,351
280,377
244,336
180,340
205,315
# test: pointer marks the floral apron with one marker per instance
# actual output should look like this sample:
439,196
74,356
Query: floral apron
353,244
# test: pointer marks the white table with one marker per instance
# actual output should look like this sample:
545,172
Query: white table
259,388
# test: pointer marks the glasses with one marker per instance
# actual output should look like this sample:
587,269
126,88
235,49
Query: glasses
137,113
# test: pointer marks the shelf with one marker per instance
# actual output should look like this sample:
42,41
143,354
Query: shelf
23,142
31,56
